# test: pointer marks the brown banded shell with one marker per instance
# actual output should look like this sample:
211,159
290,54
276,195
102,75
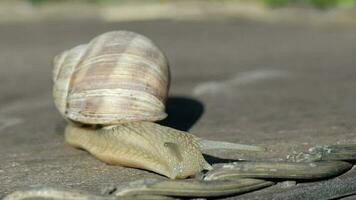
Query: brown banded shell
117,77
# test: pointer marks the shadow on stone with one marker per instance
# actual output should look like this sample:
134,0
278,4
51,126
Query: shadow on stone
59,127
182,112
216,160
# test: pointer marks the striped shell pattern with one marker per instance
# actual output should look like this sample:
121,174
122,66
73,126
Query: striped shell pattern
117,77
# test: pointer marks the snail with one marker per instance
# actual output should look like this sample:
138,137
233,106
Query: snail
112,91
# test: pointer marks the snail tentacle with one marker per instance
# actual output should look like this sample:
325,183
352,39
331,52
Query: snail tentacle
211,144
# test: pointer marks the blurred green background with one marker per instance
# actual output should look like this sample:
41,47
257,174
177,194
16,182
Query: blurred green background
314,3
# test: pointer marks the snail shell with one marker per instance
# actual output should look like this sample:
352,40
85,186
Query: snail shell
117,77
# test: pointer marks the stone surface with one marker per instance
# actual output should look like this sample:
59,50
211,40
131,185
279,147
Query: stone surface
335,188
286,87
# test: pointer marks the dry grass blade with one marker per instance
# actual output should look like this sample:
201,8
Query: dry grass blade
330,152
280,170
191,188
336,152
54,194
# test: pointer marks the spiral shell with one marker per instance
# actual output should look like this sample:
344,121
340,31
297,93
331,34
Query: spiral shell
117,77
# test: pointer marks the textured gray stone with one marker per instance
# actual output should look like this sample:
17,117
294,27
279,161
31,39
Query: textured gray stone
286,87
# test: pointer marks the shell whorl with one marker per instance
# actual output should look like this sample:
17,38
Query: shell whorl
117,77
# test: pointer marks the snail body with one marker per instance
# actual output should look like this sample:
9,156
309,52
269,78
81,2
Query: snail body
111,91
147,145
